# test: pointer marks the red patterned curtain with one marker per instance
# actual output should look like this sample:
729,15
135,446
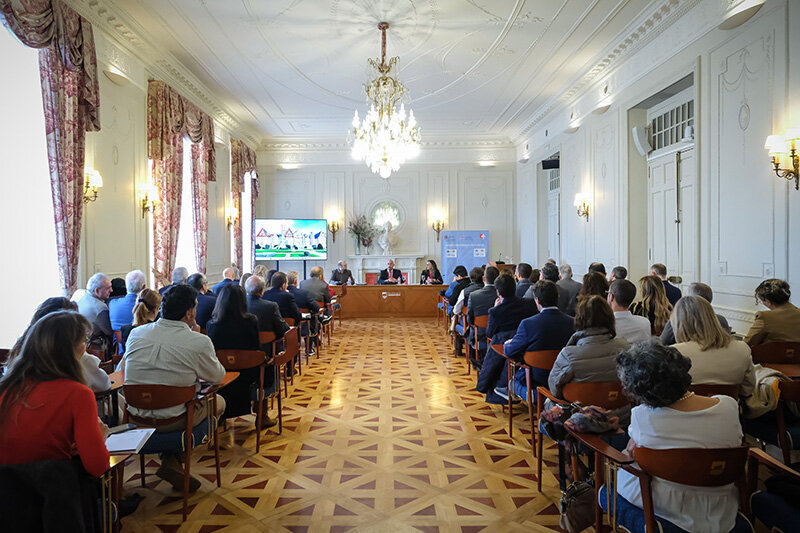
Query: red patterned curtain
70,95
243,160
255,190
170,117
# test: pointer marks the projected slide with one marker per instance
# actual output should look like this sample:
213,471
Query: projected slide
285,239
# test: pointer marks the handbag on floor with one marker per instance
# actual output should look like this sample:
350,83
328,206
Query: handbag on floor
577,506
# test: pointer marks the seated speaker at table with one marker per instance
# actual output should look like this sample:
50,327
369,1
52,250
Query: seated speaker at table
390,275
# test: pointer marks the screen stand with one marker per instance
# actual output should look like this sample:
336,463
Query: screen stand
304,270
277,265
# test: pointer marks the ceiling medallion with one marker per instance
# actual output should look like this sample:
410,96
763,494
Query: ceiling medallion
386,137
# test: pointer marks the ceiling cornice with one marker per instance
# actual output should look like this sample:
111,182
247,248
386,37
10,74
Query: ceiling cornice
129,35
333,144
644,29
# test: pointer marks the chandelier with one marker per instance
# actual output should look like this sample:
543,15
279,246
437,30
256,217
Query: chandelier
386,137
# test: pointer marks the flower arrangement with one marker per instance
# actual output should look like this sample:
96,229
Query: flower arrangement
363,230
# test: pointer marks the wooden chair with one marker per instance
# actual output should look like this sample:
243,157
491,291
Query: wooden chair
291,350
771,509
162,397
605,394
713,389
464,323
309,335
268,337
234,360
118,338
371,278
772,428
291,322
776,352
326,328
479,322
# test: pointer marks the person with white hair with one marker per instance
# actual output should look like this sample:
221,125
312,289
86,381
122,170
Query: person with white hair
120,310
94,307
228,276
342,276
570,285
179,275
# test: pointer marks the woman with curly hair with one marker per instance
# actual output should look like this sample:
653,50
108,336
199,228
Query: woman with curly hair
669,416
654,305
781,323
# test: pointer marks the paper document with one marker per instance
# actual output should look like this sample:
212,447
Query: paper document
129,441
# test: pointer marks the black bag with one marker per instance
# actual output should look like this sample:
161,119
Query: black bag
577,506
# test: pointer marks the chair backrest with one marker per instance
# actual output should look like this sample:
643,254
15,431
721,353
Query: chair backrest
289,320
97,352
157,396
482,321
776,352
404,276
606,394
542,359
265,337
713,389
118,336
790,391
241,359
710,467
371,278
320,304
292,347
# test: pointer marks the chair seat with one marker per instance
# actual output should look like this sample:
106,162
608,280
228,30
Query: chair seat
631,517
775,512
173,442
765,428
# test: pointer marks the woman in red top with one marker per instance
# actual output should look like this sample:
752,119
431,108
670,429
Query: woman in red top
45,408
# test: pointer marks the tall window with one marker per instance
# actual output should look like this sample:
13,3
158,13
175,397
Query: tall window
29,262
186,249
247,221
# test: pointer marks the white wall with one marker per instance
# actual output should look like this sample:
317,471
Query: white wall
746,82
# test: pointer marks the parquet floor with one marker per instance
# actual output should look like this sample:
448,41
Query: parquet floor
384,432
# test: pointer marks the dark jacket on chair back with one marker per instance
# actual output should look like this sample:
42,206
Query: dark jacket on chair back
286,303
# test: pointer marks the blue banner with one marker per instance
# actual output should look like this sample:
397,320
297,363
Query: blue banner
468,248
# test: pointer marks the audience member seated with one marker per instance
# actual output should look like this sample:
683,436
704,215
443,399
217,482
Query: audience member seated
550,272
695,289
93,306
667,416
536,275
260,271
480,301
169,352
618,272
591,353
243,280
304,301
654,304
594,284
117,288
341,275
550,329
205,298
46,410
316,287
453,291
228,277
148,305
95,378
279,293
630,327
179,275
600,268
660,271
475,283
232,328
570,285
390,275
523,275
120,310
504,319
781,323
267,313
431,274
716,357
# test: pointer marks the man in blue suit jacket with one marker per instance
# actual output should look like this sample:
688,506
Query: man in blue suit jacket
304,300
504,319
267,313
523,275
205,300
281,296
548,330
673,293
228,277
120,310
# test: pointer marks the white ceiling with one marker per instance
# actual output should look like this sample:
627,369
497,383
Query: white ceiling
294,69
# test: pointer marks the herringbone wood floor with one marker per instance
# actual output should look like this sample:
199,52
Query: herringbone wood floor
383,432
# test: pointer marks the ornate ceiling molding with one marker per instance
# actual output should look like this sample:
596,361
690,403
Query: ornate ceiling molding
338,145
130,36
639,33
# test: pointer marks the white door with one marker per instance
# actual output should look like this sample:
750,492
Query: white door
554,214
672,227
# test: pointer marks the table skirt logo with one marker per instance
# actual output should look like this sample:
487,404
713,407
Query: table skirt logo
386,294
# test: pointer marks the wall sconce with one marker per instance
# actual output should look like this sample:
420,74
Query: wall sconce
149,199
781,145
333,227
437,226
231,216
92,181
582,203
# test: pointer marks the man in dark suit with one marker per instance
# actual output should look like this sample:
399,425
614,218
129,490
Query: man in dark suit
390,275
673,293
267,312
460,282
550,329
504,319
179,275
205,300
549,272
280,295
475,283
342,276
522,274
304,300
480,301
316,287
570,285
228,277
